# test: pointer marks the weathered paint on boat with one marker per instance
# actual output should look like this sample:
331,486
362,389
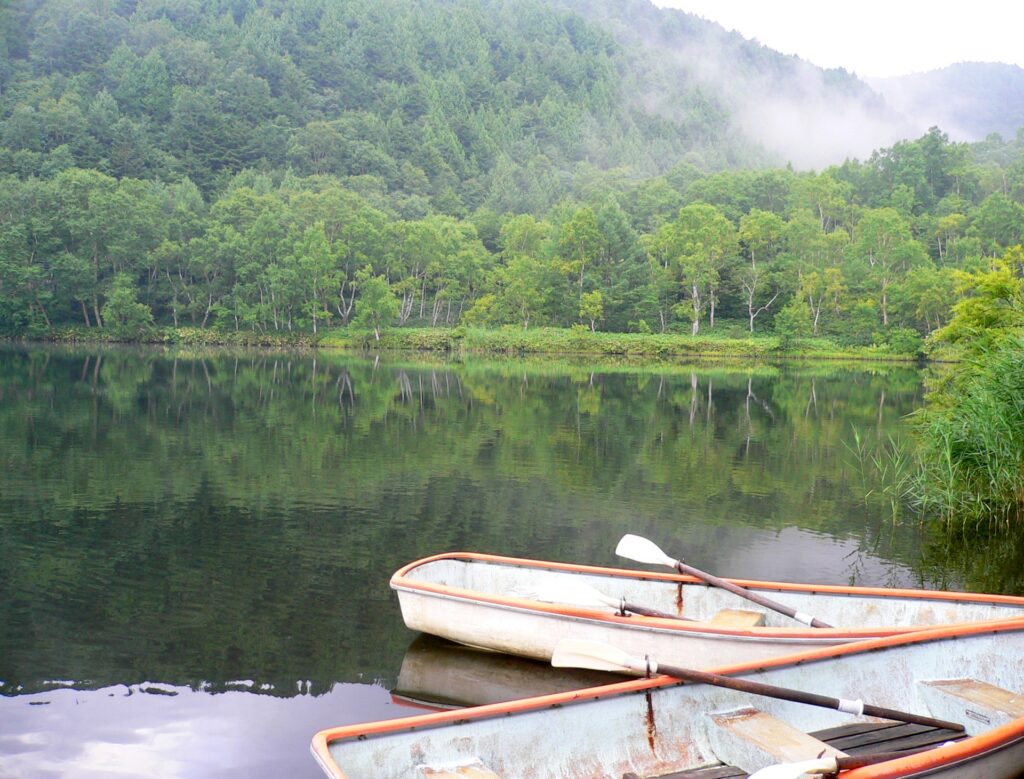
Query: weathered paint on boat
655,726
490,601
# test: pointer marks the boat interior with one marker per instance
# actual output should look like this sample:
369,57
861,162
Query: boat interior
859,739
660,728
750,739
693,600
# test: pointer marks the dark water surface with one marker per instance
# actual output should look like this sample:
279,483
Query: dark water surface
195,549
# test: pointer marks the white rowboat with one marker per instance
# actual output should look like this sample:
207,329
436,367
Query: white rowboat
509,604
658,727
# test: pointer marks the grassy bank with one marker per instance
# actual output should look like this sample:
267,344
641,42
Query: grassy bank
583,342
505,341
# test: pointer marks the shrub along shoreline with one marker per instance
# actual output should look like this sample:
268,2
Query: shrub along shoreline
503,341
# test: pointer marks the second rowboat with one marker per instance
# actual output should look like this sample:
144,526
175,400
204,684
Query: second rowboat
525,607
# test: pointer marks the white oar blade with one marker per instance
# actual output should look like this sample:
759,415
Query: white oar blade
643,551
823,765
575,594
575,653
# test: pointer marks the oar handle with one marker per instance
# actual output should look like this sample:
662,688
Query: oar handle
799,696
761,600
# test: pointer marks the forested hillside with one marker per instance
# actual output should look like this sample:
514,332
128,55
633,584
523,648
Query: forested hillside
969,100
277,167
797,112
449,105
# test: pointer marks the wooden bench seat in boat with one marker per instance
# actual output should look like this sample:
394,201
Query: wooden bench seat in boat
750,739
737,618
867,738
978,705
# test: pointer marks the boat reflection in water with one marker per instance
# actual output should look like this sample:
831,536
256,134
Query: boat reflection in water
438,674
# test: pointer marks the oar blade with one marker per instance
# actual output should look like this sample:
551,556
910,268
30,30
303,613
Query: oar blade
576,653
643,551
823,765
575,594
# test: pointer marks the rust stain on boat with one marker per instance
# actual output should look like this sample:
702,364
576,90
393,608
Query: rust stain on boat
679,599
652,730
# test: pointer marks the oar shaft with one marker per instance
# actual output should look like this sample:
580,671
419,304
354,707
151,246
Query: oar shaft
902,716
735,589
646,612
799,696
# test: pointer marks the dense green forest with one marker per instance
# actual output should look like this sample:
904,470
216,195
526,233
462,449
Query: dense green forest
279,167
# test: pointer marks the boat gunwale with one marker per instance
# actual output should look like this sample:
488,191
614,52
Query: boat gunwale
970,748
948,755
401,581
639,624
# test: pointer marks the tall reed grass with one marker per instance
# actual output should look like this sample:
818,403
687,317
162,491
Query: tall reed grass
972,441
886,470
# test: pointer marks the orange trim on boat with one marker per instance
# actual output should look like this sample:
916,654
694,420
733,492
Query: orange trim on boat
837,589
952,753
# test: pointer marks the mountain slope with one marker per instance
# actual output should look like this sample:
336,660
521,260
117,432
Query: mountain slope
448,104
424,105
968,100
798,112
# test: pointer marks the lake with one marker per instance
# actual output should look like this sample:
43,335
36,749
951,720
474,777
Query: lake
195,546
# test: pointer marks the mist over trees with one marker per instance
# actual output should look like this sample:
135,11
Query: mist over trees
282,167
969,100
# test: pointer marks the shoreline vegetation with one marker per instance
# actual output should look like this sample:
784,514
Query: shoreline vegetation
512,341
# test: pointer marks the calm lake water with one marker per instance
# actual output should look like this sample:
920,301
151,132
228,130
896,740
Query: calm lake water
195,548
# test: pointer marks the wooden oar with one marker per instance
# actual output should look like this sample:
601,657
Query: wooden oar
580,594
572,653
643,551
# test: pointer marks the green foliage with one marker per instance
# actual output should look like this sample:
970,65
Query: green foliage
864,327
592,308
993,306
496,162
972,440
449,105
884,469
377,307
972,430
793,322
124,316
905,340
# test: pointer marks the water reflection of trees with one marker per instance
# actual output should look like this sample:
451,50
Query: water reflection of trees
981,560
202,518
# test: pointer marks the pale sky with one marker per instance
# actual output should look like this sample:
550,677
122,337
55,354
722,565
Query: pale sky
872,37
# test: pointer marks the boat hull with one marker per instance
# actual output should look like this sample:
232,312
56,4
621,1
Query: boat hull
530,633
652,727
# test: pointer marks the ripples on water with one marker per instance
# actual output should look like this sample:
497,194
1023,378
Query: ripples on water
200,544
